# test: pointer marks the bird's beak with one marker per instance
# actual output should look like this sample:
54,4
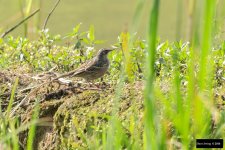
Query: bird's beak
110,49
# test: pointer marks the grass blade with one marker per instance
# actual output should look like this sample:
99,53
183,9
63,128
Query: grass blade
32,130
149,131
12,98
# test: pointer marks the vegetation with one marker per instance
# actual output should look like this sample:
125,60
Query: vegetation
157,95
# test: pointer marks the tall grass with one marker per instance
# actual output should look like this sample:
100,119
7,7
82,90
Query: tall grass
116,137
151,140
11,127
32,129
25,8
193,113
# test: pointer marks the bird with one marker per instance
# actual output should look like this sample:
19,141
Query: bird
92,69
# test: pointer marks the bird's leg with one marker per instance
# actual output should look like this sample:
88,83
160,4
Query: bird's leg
99,85
103,84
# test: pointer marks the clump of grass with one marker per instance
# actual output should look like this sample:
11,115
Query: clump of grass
191,114
151,138
11,126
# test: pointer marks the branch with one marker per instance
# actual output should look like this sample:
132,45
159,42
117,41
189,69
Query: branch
46,20
17,25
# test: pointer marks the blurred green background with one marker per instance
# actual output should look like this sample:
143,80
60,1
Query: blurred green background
109,18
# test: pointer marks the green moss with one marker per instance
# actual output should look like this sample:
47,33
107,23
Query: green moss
86,115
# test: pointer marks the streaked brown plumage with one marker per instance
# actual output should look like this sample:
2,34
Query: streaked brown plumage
92,69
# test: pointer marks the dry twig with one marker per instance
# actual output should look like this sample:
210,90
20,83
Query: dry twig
46,20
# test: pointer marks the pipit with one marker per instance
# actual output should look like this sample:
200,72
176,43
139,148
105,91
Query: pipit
92,69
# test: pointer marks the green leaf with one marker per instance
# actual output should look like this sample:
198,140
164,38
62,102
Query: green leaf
75,30
91,34
85,41
1,40
28,6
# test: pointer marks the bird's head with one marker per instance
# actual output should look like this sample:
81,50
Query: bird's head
103,52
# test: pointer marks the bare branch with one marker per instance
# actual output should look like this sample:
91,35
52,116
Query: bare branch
50,13
21,22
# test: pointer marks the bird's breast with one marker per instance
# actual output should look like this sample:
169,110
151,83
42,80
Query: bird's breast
94,70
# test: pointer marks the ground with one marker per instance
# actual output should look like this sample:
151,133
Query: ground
72,115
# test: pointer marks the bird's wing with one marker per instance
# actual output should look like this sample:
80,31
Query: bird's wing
83,68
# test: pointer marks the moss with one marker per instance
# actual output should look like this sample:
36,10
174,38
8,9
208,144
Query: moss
85,115
79,118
